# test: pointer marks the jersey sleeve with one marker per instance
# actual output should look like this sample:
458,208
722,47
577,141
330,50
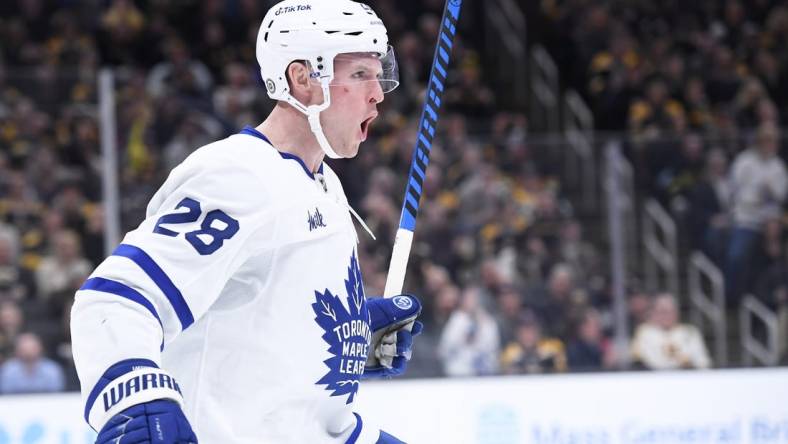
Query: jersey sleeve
207,219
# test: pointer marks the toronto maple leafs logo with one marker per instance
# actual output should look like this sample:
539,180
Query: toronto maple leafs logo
347,334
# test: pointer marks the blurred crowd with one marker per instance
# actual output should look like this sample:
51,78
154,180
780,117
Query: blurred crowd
661,68
699,88
510,280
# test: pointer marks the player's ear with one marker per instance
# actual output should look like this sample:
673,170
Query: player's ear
301,86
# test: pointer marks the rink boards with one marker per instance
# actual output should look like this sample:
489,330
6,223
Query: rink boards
722,406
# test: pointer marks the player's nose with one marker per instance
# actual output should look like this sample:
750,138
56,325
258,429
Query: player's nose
376,95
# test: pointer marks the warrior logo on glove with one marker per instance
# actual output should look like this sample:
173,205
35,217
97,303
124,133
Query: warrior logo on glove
347,334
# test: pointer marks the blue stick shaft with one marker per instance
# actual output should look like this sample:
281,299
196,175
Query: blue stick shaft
421,152
429,115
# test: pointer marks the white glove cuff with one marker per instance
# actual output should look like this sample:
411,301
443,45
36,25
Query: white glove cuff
135,387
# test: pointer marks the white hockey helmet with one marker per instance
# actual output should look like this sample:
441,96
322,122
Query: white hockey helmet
316,31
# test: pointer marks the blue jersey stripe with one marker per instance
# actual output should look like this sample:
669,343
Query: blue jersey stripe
249,131
300,162
113,372
357,431
118,289
124,291
386,438
161,279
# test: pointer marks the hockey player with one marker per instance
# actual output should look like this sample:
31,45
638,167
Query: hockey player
235,312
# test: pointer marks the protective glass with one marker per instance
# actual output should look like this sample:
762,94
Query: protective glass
388,77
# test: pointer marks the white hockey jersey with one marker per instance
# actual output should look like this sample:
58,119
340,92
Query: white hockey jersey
245,274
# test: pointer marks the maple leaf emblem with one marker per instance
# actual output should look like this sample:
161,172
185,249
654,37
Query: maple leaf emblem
347,333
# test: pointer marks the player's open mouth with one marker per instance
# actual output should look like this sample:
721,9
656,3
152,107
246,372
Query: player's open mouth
365,127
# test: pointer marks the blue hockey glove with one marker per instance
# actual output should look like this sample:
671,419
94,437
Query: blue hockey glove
136,402
391,343
155,422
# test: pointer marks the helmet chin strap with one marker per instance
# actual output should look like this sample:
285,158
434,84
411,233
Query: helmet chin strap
317,130
312,113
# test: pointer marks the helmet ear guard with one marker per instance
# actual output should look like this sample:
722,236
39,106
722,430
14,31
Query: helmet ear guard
289,98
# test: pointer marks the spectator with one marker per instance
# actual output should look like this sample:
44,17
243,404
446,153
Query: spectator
535,260
19,204
509,307
30,371
663,343
760,183
70,203
446,302
768,251
11,322
699,112
64,265
194,131
558,304
470,343
772,283
180,74
234,100
122,23
93,238
576,252
46,167
653,116
709,206
590,350
747,102
471,95
425,362
492,280
80,154
772,289
529,352
638,308
682,172
16,283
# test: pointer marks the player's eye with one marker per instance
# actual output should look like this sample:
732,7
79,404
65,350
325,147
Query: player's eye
361,75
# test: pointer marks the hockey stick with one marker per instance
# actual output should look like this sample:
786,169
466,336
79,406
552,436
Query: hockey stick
421,151
421,158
